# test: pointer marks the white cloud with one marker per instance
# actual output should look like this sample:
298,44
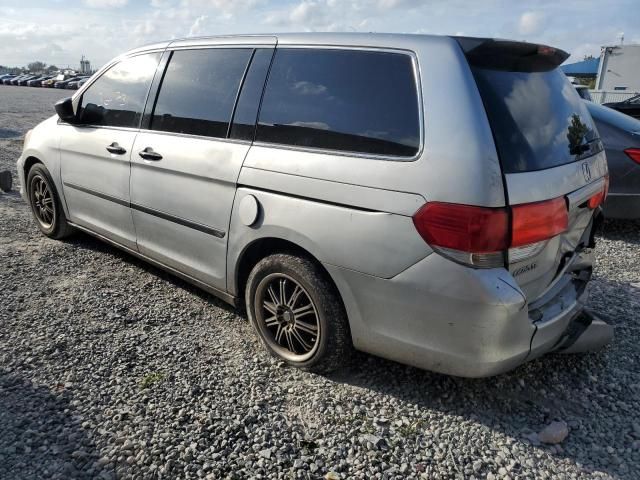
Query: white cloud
197,26
391,4
99,30
223,6
314,15
145,28
308,12
530,23
105,3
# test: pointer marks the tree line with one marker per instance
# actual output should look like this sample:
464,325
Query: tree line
31,67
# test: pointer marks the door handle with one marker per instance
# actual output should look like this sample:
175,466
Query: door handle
116,149
149,154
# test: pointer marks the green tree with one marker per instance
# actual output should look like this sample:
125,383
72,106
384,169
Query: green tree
36,66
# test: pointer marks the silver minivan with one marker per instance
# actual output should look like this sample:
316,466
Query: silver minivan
428,199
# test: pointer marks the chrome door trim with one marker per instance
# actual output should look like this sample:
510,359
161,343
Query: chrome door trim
222,295
151,211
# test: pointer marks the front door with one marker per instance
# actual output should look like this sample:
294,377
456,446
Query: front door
95,153
184,167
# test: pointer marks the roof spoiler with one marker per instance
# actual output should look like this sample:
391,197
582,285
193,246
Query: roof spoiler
511,56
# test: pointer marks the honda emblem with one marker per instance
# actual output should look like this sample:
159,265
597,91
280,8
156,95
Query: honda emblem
586,171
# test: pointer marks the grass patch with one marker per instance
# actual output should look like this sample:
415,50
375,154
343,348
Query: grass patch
151,379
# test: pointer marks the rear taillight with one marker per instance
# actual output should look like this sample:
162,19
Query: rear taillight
463,227
598,199
482,236
534,222
633,154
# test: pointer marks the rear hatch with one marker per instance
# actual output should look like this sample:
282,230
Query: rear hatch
554,167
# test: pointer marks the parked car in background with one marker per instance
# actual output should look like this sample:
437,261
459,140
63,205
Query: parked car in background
64,83
49,83
31,81
83,81
37,82
630,107
73,84
304,184
23,82
620,135
14,80
6,76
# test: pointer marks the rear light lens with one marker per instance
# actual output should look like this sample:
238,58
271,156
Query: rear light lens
534,222
633,154
598,199
463,227
480,236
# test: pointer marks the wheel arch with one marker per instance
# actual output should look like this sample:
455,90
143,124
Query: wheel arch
29,162
261,248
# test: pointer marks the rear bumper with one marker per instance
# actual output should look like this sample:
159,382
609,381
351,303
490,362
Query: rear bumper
626,206
448,318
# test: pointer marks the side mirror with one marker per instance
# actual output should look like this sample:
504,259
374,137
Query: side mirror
64,109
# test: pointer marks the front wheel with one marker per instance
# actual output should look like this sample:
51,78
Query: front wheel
45,204
298,313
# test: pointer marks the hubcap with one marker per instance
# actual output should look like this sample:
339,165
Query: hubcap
42,201
287,317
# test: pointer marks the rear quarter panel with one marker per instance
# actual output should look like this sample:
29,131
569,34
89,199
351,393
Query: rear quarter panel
380,244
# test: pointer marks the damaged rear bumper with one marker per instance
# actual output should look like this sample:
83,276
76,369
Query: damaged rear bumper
561,320
444,317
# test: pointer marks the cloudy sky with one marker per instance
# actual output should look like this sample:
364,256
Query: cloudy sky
59,31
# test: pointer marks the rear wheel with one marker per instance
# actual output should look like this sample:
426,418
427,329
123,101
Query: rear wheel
298,313
45,204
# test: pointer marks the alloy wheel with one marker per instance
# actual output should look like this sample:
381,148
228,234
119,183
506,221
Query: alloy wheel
42,201
287,317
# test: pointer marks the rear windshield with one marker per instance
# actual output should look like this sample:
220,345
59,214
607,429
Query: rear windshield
538,119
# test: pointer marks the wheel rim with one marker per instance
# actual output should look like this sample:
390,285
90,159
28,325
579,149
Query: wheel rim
42,201
287,317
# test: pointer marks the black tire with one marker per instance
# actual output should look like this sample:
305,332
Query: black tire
332,346
46,208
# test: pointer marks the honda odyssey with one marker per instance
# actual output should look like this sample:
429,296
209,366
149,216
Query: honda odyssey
431,200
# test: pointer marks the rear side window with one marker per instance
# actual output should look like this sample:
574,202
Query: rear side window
198,91
349,100
117,97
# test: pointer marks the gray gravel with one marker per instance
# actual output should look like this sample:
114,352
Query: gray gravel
111,369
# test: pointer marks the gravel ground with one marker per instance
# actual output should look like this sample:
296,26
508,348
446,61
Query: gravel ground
111,369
